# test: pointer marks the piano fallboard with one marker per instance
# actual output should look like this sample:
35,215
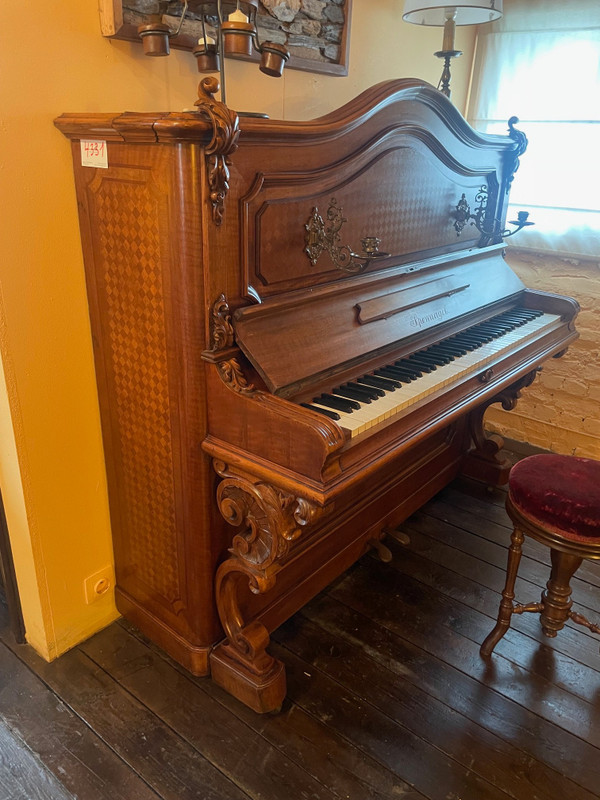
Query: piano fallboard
328,329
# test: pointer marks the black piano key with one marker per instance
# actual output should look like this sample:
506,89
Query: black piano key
440,357
532,312
468,347
424,364
386,384
491,326
372,391
524,314
475,337
471,341
351,394
411,373
427,358
494,329
441,354
502,320
517,321
453,348
390,372
325,411
479,331
339,403
410,368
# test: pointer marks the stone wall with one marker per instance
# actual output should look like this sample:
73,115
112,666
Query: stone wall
310,29
561,410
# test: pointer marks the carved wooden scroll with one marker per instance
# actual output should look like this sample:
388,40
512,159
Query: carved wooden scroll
223,352
226,132
513,161
484,462
269,521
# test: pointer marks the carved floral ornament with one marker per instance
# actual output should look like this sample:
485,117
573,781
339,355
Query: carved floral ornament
271,518
222,335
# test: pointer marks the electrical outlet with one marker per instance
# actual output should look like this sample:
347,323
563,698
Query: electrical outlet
99,585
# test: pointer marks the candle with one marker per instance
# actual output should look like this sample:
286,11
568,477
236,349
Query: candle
237,16
449,26
202,42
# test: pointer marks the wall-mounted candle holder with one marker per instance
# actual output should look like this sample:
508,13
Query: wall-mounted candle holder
155,34
228,28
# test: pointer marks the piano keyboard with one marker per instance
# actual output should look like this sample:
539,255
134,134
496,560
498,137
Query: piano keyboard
382,393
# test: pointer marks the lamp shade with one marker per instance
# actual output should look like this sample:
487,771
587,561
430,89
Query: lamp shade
468,12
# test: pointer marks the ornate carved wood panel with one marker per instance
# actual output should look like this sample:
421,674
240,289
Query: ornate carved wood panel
395,189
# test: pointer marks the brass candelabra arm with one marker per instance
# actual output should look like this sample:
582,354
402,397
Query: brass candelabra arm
490,228
321,235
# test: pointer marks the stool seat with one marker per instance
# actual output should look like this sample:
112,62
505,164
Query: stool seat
555,500
559,493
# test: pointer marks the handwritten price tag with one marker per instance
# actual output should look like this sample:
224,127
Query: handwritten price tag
94,153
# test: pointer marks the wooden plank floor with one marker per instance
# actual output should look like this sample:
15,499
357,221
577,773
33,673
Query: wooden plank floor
387,694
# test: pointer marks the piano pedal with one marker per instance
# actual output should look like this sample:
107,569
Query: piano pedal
383,553
401,537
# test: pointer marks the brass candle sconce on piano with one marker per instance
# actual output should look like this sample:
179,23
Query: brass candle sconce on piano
491,229
320,236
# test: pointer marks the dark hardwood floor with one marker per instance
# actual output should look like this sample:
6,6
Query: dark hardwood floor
387,694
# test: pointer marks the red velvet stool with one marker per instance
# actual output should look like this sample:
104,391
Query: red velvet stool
556,500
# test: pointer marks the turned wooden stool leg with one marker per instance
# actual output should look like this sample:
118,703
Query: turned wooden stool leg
556,597
508,595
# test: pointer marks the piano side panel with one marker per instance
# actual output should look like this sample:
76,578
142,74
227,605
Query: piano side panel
142,255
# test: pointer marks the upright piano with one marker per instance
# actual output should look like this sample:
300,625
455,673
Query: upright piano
298,327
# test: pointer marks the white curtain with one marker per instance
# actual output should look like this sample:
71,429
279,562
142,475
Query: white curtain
541,62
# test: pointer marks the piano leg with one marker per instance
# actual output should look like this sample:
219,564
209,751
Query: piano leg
241,664
484,461
269,520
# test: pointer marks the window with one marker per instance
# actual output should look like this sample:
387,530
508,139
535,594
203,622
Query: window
541,62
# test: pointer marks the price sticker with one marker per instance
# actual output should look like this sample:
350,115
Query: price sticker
94,153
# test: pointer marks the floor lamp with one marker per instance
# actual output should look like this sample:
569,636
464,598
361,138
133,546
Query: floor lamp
469,12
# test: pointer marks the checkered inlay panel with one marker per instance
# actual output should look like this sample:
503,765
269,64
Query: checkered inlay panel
133,292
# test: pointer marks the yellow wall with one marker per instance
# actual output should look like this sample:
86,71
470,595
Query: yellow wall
51,462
